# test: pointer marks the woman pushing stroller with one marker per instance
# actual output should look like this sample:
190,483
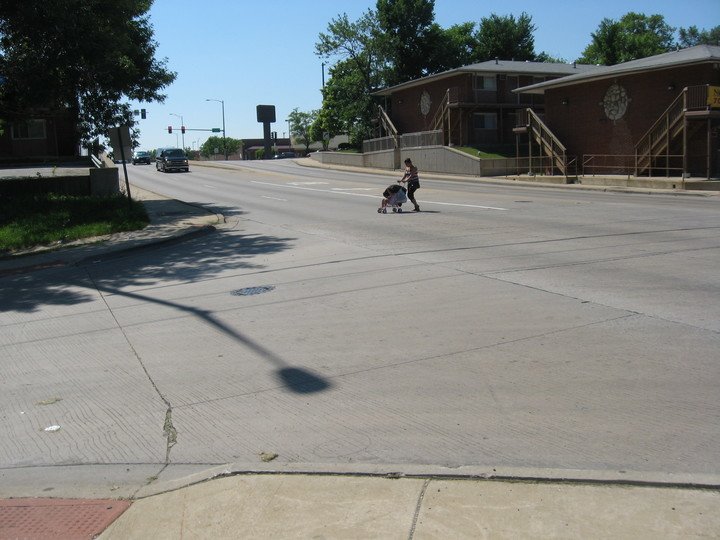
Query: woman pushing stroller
396,194
413,182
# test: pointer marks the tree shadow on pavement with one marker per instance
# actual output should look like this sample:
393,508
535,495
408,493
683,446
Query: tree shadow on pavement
202,257
125,274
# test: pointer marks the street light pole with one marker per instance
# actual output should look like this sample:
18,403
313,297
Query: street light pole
182,125
223,120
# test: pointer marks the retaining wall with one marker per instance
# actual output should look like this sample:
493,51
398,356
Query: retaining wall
97,182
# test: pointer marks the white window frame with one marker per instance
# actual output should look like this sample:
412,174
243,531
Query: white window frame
25,130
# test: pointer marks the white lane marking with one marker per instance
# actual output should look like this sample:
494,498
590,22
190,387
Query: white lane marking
308,183
423,201
274,198
208,185
465,205
353,189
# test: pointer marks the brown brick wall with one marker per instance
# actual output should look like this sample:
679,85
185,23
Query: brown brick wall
583,127
405,104
408,118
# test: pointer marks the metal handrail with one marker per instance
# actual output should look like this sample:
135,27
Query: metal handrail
388,125
622,164
658,131
437,121
547,140
98,164
667,127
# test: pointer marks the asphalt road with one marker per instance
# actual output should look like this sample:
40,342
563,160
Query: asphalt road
540,332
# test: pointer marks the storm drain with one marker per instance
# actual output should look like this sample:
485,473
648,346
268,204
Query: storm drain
250,291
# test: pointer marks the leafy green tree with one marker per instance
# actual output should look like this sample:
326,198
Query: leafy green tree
689,37
409,37
89,55
357,44
359,69
207,148
346,100
505,37
634,36
545,57
455,47
300,124
325,123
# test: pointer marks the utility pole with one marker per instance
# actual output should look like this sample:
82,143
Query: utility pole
223,120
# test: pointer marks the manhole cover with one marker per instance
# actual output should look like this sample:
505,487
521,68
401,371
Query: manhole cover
250,291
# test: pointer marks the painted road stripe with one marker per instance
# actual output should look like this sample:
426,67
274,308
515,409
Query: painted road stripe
423,201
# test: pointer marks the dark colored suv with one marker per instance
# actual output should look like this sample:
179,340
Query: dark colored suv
172,159
141,157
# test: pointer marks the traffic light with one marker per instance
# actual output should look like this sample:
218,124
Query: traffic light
143,114
169,129
182,130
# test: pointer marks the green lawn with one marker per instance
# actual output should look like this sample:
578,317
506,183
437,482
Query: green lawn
44,220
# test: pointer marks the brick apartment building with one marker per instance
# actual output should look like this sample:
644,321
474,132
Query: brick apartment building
654,116
474,105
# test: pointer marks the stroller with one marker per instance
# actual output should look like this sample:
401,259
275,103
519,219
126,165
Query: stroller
394,197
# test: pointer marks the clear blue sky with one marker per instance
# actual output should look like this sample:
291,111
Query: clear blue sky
223,49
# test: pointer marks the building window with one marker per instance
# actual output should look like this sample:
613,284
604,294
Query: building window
484,82
485,120
28,129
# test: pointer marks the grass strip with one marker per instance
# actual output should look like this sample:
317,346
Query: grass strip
44,220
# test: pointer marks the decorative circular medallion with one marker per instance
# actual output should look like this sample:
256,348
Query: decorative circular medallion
615,102
425,103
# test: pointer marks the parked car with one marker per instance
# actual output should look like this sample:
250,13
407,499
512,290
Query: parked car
172,159
283,155
141,157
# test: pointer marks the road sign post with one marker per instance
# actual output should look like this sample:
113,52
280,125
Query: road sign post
266,115
120,142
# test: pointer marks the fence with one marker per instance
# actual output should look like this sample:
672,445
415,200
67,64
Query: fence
602,164
380,144
536,165
422,138
619,164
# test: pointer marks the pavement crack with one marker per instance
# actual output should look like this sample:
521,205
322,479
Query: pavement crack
170,433
418,507
168,428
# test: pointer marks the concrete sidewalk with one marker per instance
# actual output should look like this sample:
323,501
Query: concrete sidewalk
350,504
322,506
277,505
